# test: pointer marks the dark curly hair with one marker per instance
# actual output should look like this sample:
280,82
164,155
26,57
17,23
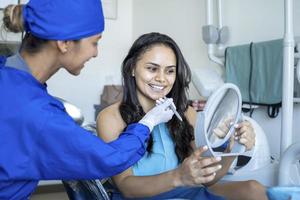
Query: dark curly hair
130,108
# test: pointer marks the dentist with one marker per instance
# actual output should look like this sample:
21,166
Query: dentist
38,140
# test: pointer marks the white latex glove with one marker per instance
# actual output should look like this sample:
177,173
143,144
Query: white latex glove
159,114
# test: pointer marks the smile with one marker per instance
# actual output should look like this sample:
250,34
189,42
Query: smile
157,87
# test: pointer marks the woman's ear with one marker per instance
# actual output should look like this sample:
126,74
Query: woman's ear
62,46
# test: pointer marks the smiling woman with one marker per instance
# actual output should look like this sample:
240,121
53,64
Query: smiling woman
77,53
155,74
155,68
159,70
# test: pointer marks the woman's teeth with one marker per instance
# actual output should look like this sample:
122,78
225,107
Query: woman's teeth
156,87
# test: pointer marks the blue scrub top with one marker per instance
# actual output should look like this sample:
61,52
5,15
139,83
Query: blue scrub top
40,141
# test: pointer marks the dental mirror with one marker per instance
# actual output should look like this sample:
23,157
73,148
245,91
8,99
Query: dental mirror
222,111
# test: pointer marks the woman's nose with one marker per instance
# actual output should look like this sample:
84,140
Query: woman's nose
160,77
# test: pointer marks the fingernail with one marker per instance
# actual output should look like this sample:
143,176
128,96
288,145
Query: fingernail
236,126
214,173
205,147
218,158
231,123
219,166
236,138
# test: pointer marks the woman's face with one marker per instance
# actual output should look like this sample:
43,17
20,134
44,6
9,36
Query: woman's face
155,73
78,53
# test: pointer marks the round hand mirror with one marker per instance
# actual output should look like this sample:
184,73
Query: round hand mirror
215,125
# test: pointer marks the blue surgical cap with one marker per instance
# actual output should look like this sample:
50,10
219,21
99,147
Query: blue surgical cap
63,19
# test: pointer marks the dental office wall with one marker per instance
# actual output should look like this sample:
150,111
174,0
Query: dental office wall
248,20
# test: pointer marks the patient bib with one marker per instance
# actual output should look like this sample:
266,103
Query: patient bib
162,158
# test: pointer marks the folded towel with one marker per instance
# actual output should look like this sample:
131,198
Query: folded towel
256,69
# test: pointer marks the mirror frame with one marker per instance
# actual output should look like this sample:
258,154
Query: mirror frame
204,118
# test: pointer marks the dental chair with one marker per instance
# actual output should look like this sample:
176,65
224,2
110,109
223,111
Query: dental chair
88,189
84,189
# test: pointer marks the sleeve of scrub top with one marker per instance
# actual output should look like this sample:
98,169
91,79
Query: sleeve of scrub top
63,150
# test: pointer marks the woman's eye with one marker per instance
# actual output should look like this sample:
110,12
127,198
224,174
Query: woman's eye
152,69
170,71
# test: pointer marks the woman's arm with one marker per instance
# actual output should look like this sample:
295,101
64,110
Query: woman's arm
109,126
188,173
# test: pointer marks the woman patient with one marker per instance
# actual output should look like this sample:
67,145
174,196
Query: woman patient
172,167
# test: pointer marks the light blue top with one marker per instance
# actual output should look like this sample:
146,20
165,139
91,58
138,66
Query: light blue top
162,158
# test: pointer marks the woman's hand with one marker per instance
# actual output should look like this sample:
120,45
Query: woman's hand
197,170
245,134
223,127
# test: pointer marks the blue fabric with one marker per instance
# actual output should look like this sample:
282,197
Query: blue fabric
39,141
163,158
190,193
63,20
163,153
284,193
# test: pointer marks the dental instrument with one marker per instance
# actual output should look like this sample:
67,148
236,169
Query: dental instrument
173,108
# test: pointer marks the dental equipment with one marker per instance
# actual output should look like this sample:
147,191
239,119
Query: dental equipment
73,111
172,107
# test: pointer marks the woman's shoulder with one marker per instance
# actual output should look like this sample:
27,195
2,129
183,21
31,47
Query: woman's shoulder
110,123
191,115
111,111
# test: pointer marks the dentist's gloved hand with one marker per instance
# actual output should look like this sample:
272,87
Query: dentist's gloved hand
159,114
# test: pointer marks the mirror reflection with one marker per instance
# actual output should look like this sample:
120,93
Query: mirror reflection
220,126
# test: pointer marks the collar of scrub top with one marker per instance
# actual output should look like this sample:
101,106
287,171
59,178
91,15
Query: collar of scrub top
16,61
63,19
